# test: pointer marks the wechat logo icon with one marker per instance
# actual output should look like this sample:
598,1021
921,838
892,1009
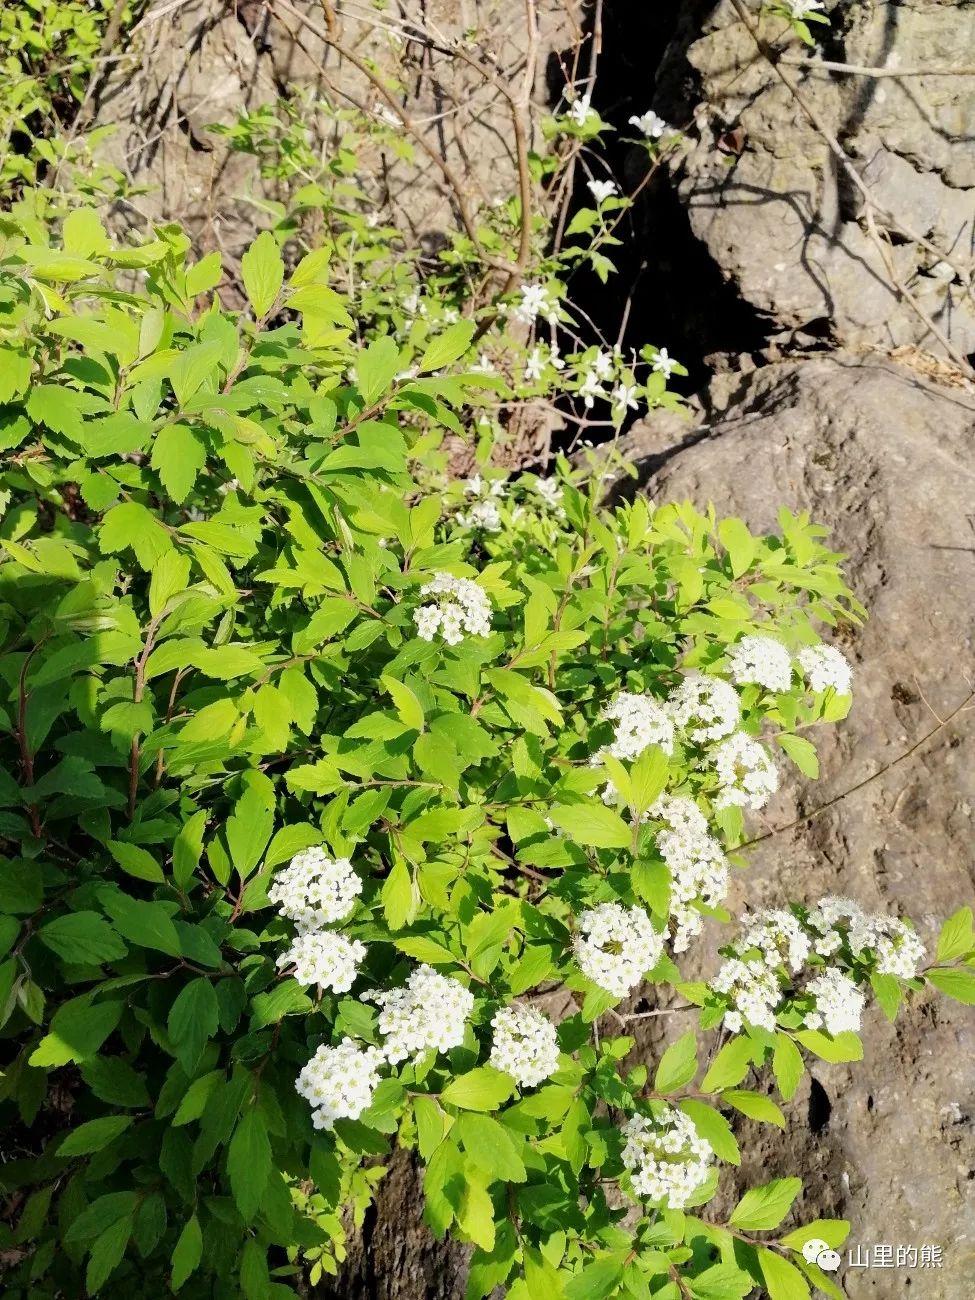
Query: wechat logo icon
817,1251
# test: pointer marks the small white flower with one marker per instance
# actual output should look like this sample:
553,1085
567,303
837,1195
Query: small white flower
460,606
753,992
591,389
325,958
663,363
616,946
580,111
313,890
602,190
763,661
667,1158
839,1003
483,515
746,773
825,667
624,399
429,1012
801,9
550,490
650,125
534,302
525,1045
339,1082
641,721
705,708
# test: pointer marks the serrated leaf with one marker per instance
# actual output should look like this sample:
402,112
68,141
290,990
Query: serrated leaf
262,270
764,1208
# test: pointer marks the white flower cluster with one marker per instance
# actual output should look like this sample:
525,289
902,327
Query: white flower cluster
429,1011
705,708
698,866
746,774
826,668
650,124
339,1082
753,992
313,890
892,943
839,1003
460,606
774,961
667,1158
483,512
325,958
541,356
534,302
524,1045
615,946
800,9
779,937
761,660
550,491
641,721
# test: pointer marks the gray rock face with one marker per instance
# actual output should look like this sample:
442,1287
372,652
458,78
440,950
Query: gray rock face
207,61
883,459
775,209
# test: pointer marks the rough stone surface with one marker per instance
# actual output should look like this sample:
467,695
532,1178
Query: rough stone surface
773,206
883,458
209,61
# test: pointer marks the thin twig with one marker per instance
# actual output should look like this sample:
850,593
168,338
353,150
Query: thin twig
867,780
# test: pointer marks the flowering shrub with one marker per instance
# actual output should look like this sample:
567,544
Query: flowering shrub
313,788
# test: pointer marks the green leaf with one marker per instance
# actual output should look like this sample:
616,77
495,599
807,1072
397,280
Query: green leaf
490,1146
833,1231
106,1254
764,1208
787,1065
739,543
957,937
599,1278
83,937
721,1282
407,705
714,1128
842,1047
755,1105
483,1088
803,754
730,1065
592,824
131,525
193,1020
147,924
449,346
77,1032
475,1214
376,367
958,984
178,455
137,862
187,1252
114,1081
262,269
678,1065
188,848
249,1163
94,1135
399,896
782,1279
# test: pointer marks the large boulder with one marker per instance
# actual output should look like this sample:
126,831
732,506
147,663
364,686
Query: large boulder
777,212
882,457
